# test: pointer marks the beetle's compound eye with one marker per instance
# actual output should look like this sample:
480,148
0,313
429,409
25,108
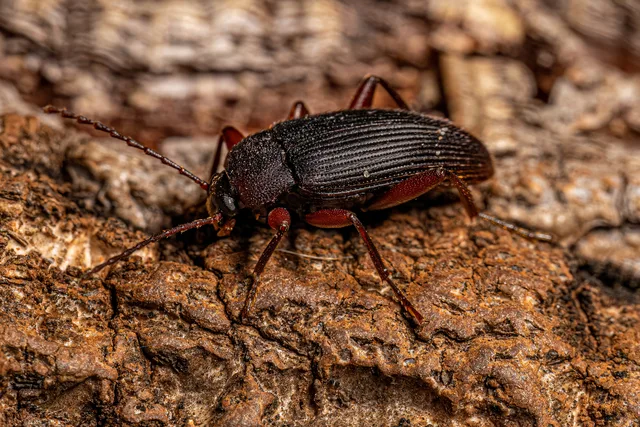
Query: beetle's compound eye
221,198
227,204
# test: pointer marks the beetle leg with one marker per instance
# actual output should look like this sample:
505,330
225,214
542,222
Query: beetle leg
338,218
363,98
298,110
230,136
408,189
467,201
465,194
279,219
529,234
217,157
419,184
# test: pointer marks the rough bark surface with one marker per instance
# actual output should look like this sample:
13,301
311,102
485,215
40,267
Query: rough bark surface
511,334
534,79
516,333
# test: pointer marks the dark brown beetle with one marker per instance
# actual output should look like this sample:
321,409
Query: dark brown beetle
324,166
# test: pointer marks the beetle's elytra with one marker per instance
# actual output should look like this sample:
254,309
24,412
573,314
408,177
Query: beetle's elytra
344,159
323,167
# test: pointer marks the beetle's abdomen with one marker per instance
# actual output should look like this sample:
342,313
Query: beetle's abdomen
367,151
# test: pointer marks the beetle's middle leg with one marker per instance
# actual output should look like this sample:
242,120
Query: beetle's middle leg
363,98
338,218
278,219
298,110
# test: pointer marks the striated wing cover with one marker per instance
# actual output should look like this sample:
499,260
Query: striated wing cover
354,151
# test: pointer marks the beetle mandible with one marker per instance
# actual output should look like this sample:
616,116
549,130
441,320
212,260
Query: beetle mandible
325,166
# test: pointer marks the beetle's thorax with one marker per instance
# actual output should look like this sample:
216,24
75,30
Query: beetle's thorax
258,171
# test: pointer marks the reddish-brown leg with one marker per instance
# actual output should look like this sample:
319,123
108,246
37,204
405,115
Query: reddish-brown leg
469,205
426,181
130,142
338,218
408,190
279,219
363,97
215,220
298,110
230,136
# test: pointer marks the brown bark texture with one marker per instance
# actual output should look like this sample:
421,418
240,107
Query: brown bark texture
516,333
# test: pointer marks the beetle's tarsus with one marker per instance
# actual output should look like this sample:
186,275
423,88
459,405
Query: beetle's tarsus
467,201
521,231
251,282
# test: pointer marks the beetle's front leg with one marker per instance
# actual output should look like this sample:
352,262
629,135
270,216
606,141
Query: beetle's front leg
363,98
230,136
338,218
278,219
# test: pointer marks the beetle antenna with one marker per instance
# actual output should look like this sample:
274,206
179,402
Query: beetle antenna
50,109
215,220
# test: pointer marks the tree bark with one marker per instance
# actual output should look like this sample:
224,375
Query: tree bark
515,332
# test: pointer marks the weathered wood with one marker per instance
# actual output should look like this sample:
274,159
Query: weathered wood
512,332
516,332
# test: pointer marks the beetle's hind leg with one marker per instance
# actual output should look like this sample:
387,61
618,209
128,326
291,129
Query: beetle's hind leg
363,98
419,184
472,211
338,218
279,219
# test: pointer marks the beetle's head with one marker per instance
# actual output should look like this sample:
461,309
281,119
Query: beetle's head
222,202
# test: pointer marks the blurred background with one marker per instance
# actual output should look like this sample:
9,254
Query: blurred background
160,68
552,87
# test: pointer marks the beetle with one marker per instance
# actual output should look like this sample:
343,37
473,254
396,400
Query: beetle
325,166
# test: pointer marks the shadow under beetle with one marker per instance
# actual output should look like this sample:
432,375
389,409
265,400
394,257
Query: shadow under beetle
324,166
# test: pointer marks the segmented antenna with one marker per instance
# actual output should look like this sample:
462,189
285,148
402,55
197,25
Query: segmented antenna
50,109
215,220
